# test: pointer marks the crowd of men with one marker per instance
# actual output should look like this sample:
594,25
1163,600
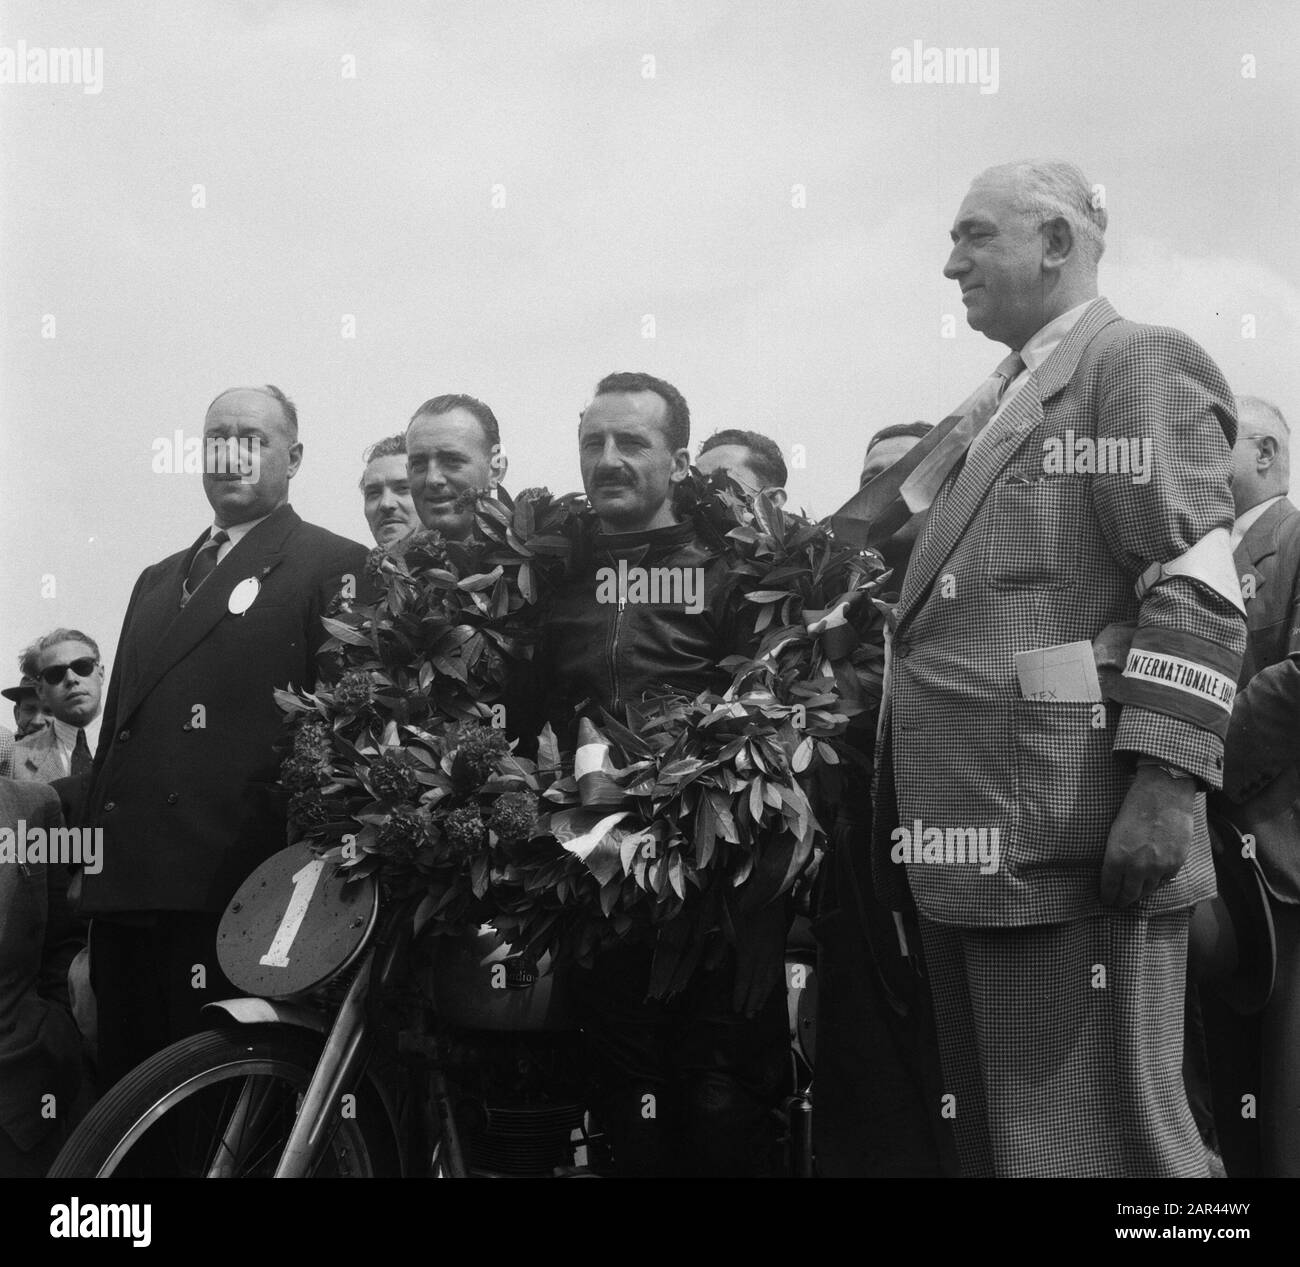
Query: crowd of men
1100,669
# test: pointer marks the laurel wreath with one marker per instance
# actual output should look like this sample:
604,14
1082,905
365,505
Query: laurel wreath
397,764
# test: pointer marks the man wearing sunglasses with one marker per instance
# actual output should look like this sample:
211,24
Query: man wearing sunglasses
69,677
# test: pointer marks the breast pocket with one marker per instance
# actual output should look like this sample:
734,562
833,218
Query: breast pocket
1036,523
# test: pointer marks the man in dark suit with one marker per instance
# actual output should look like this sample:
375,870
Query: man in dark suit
40,1049
1256,1056
877,1056
883,450
1054,840
184,782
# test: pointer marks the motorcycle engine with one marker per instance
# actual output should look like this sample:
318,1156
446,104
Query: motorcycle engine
518,1101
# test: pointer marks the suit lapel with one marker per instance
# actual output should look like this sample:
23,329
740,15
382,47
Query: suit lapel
41,756
257,555
1260,540
159,607
964,493
1259,543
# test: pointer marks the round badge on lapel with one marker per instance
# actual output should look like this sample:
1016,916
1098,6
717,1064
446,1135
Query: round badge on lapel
242,596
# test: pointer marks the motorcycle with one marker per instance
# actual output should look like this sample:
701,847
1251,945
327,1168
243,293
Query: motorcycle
363,1050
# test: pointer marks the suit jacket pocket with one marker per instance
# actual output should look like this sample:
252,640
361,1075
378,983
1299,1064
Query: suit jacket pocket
1069,785
1033,526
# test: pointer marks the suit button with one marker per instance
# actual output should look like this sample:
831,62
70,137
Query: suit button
901,650
109,806
123,736
172,798
187,727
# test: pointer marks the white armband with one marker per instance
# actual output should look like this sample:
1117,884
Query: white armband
1208,561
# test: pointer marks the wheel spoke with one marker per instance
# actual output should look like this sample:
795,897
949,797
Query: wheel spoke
222,1105
247,1121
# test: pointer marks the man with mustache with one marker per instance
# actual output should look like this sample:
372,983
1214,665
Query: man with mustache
185,777
386,491
686,1084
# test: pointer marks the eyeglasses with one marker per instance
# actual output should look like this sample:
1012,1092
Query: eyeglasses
83,667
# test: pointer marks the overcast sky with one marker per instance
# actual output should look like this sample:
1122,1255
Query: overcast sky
743,177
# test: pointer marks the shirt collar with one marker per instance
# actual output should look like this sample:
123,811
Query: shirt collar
1038,348
237,532
66,733
1248,519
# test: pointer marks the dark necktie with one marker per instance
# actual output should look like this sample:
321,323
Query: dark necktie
880,508
204,563
81,759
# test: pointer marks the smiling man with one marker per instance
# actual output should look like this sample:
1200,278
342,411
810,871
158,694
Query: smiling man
185,778
1058,978
453,447
386,491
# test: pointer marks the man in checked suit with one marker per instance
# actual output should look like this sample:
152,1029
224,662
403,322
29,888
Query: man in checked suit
1094,497
184,781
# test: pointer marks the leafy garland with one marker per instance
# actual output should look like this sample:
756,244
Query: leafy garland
700,813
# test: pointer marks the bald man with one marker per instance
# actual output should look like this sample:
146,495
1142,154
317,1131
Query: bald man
1256,1055
184,781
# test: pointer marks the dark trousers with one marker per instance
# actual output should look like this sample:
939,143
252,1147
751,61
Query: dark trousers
32,1163
685,1086
1255,1067
877,1091
150,981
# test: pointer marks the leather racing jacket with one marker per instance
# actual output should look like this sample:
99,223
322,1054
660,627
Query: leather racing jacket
639,613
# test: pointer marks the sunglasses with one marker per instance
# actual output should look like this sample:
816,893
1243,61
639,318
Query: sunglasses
83,667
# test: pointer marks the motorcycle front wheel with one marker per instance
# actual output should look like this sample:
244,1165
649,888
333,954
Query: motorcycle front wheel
221,1105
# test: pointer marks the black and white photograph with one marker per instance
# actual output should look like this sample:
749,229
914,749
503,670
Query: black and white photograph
649,589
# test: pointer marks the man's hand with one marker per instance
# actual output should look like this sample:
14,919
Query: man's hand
1149,838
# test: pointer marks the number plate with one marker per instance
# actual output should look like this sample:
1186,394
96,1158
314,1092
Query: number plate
293,924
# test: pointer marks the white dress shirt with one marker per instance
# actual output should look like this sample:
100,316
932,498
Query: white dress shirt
65,740
1036,350
1247,520
235,534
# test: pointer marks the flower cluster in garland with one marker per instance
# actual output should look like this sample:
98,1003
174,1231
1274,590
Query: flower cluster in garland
397,767
702,812
699,812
